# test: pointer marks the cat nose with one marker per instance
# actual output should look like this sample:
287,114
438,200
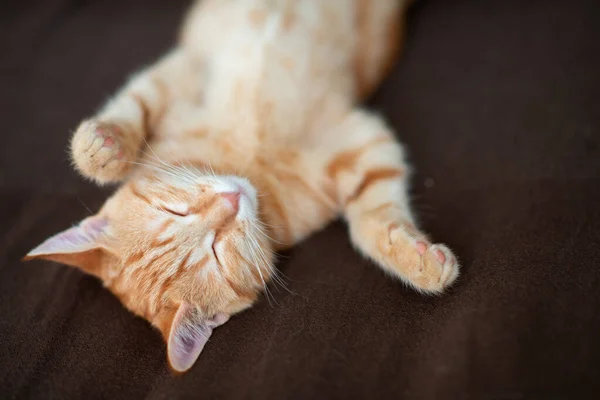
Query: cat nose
233,198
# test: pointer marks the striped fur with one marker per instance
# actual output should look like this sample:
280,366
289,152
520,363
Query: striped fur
259,97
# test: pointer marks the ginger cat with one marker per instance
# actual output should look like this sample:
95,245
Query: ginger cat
240,142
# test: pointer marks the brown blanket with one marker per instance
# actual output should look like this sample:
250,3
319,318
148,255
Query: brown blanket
499,104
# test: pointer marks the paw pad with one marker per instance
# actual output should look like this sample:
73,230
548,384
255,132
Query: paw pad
426,266
97,151
421,247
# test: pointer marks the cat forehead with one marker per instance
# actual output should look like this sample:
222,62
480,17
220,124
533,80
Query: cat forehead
189,181
168,185
166,181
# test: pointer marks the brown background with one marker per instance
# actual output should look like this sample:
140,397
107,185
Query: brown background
499,104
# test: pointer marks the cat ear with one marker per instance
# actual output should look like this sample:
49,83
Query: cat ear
80,246
189,333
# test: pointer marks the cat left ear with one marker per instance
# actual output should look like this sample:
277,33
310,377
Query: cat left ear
189,333
80,246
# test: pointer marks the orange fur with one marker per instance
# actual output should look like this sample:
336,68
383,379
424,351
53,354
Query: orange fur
267,91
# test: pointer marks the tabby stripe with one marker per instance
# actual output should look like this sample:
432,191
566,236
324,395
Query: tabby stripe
167,283
156,257
153,284
372,177
200,208
185,260
346,160
238,291
161,229
160,243
135,257
309,190
200,264
139,195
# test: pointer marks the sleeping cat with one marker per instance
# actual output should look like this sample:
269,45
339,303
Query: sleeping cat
240,142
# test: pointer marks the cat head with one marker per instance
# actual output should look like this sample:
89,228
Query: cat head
182,249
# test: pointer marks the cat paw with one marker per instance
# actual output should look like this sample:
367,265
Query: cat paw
438,268
98,152
427,267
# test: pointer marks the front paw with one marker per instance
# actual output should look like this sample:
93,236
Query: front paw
99,153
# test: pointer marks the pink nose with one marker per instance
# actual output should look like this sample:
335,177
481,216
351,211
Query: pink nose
233,198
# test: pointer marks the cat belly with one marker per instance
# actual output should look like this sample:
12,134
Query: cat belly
277,63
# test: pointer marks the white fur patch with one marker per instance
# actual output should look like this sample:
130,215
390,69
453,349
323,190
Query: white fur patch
197,254
155,223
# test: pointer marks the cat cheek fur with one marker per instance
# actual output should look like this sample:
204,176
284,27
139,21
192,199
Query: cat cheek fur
206,258
166,259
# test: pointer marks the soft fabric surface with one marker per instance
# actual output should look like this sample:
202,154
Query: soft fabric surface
499,104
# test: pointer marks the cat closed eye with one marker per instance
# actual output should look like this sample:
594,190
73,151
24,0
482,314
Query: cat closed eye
177,212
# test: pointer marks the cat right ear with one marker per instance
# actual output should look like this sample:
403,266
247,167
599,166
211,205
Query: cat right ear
81,246
189,334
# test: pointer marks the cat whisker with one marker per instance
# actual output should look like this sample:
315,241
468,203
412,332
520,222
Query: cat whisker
254,256
153,152
86,207
256,225
154,168
168,169
180,171
167,166
277,280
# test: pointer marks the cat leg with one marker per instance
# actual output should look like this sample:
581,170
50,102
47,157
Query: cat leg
370,177
104,145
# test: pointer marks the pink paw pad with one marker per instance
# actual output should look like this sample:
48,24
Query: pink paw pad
421,247
440,256
108,141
